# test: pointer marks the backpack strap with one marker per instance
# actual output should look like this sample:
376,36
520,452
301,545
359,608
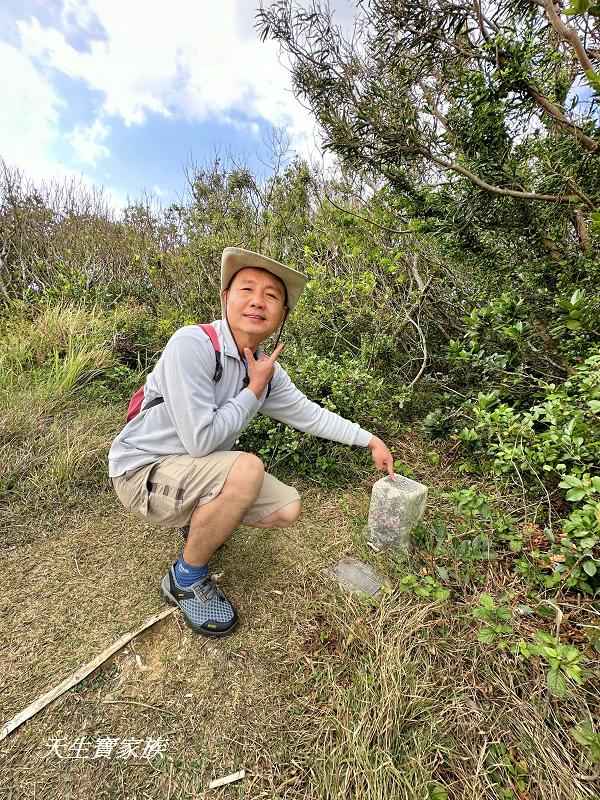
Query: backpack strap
210,331
136,404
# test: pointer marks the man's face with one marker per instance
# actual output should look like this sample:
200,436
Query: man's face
255,302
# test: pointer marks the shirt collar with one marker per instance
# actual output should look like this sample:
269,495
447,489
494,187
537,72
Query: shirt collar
229,345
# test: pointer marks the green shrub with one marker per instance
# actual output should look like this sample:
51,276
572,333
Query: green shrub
555,442
424,586
495,621
585,735
290,453
343,386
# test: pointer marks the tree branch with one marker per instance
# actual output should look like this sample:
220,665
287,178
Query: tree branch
555,112
424,346
569,34
369,221
408,314
475,179
582,232
574,188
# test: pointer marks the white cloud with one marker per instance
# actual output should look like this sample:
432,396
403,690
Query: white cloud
88,142
30,126
29,111
186,59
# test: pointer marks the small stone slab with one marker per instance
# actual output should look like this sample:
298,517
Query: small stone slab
354,575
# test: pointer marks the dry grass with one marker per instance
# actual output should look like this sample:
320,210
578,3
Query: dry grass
404,698
52,463
237,711
318,695
55,329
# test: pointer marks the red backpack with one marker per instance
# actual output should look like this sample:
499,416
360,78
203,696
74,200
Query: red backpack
137,401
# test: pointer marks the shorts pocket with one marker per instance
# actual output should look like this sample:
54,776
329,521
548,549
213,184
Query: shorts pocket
132,490
163,501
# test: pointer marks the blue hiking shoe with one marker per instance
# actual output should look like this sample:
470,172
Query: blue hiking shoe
205,608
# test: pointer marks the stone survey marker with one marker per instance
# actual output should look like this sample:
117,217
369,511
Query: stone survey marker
397,505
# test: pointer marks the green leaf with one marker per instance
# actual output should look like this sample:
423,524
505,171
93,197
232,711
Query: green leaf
557,684
486,635
487,601
573,324
583,734
546,612
594,405
589,567
589,541
594,79
542,637
578,7
569,481
435,791
576,494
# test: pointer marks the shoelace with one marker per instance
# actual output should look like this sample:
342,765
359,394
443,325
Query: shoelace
207,589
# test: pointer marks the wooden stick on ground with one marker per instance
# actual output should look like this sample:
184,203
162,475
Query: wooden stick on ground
77,676
235,776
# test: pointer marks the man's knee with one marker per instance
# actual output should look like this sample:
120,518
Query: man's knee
289,514
246,475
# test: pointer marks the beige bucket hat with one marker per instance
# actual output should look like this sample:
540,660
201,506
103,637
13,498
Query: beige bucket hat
235,258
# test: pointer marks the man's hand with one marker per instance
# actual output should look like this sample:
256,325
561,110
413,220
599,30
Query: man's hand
260,372
382,458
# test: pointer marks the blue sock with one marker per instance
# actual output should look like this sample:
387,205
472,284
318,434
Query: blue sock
186,574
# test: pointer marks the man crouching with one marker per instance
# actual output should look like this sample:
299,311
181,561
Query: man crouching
172,464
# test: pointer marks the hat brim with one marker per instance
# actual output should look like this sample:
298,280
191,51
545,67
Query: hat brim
236,258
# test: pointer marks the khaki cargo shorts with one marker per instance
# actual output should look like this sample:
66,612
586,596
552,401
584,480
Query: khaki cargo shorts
166,492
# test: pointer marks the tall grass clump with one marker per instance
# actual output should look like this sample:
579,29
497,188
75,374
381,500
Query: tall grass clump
80,364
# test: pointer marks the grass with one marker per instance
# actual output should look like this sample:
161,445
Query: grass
319,695
410,701
79,365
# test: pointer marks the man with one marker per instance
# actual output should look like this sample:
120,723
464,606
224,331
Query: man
173,465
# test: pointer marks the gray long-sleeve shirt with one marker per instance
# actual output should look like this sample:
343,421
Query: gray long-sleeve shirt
199,416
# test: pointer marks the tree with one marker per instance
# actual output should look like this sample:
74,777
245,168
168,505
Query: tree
465,110
396,97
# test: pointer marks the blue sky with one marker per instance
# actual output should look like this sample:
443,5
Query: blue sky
125,94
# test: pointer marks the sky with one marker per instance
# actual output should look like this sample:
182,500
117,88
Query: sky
126,94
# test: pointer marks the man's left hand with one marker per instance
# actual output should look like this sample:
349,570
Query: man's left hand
382,458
